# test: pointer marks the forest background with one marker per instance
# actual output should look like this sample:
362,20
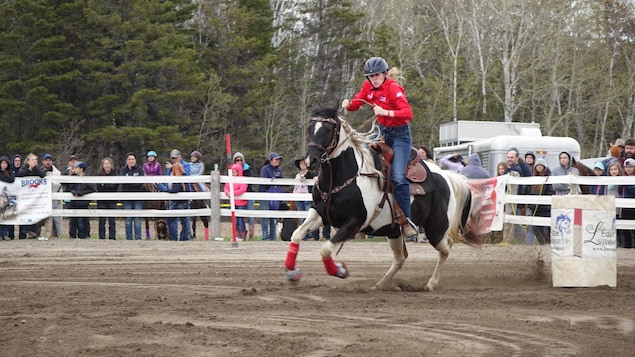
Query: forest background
100,78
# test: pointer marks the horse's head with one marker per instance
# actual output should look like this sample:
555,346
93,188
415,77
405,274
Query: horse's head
322,136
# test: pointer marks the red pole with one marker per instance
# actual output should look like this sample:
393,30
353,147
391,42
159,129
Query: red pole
228,150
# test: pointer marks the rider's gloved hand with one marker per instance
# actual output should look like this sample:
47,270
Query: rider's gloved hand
345,103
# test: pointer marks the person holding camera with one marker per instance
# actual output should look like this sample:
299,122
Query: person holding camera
453,162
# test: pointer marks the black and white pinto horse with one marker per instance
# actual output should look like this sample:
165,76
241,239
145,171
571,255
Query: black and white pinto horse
348,194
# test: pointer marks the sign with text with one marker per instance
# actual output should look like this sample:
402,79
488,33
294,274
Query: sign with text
25,201
488,195
583,240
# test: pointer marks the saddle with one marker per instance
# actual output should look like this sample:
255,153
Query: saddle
417,172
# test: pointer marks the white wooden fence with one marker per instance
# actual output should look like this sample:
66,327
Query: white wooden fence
217,197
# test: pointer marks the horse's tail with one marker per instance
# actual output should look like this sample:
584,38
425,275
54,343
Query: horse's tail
461,224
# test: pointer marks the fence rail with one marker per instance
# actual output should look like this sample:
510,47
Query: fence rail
217,197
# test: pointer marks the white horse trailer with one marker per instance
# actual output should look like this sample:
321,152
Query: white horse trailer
494,150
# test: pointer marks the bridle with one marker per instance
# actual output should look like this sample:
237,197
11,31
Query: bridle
333,146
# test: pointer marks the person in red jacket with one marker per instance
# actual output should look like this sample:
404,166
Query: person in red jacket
239,189
393,112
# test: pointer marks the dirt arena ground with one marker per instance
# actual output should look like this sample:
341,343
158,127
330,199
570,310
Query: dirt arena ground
67,297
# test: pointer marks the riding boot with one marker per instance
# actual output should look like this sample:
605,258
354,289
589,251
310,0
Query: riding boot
206,233
251,231
407,227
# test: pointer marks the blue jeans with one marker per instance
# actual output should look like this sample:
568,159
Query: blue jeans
173,222
112,233
251,205
240,221
268,225
529,239
400,141
130,221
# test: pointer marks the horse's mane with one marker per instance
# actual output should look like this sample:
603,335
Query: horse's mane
360,141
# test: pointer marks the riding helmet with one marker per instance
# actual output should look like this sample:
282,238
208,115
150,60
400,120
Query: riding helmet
375,65
151,153
196,154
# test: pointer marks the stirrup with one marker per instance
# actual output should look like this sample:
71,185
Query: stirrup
410,230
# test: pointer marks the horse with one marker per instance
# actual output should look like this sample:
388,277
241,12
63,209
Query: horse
583,170
349,194
160,224
194,204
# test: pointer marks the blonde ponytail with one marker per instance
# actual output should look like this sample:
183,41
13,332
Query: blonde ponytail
396,75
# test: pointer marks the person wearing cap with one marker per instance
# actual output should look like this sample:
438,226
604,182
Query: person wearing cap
79,226
628,191
251,204
541,233
71,163
600,170
175,156
178,204
152,167
56,222
133,224
388,100
621,145
6,175
272,171
565,168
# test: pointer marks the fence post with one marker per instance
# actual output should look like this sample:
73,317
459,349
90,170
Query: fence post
214,218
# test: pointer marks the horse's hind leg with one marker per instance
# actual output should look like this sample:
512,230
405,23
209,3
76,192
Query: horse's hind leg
398,259
443,248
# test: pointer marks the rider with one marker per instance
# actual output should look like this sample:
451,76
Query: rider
393,112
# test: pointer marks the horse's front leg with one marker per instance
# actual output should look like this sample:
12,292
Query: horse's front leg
311,223
344,232
398,258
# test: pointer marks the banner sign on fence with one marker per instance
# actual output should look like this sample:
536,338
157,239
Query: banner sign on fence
489,195
583,241
25,201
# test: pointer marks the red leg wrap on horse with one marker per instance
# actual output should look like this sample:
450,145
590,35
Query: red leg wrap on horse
292,254
330,266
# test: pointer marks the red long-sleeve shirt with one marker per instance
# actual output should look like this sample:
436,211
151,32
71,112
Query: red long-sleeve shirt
390,96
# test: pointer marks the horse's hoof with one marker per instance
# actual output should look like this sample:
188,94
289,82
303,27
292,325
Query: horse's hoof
342,272
428,287
294,275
